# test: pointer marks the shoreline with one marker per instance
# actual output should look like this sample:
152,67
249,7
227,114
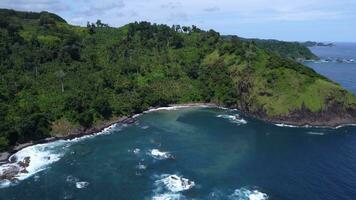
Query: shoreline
4,156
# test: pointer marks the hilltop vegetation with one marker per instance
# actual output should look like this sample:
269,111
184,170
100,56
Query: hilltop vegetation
292,50
55,75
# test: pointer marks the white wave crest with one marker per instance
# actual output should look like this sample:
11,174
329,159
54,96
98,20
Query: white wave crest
168,196
177,107
315,133
160,155
105,131
247,194
174,183
287,125
234,118
36,158
81,184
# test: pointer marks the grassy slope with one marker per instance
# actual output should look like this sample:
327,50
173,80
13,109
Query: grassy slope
276,90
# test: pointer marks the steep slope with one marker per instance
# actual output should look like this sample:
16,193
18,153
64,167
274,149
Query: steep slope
56,78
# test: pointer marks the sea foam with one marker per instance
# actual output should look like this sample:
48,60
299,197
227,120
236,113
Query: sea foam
168,196
160,155
247,194
81,184
173,183
315,133
234,118
40,157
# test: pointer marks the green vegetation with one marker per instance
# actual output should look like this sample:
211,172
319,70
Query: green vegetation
292,50
319,44
54,75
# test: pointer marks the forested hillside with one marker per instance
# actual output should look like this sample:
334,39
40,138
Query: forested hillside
55,76
292,50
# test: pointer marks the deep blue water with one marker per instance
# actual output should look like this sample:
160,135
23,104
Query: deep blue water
340,72
224,157
339,50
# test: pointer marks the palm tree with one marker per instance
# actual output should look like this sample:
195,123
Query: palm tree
249,54
60,74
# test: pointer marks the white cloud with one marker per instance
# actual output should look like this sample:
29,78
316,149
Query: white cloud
222,15
34,5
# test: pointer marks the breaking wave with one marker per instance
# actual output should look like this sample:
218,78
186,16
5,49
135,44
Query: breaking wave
33,159
30,161
248,194
234,118
160,155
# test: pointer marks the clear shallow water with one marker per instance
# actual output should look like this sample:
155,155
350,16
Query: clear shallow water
225,158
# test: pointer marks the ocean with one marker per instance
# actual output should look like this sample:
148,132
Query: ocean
197,153
338,63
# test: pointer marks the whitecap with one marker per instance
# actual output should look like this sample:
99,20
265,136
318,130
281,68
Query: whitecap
168,196
315,133
136,151
177,107
81,184
136,115
174,183
160,155
234,118
247,194
106,131
287,125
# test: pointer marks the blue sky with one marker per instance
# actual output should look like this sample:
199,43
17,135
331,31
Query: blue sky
299,20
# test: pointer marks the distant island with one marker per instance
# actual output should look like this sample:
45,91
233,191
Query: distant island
59,79
317,44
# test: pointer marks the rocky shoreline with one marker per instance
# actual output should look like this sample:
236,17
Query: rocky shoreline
4,156
297,119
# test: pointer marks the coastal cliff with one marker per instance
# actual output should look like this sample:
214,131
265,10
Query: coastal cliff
55,75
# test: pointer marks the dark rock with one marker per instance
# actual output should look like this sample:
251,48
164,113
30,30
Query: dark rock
10,173
25,162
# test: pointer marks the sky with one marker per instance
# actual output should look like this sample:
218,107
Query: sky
289,20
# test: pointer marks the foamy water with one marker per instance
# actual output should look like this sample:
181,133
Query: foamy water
248,194
160,155
41,156
234,118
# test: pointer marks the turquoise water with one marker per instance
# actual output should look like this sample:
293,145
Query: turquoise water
224,157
